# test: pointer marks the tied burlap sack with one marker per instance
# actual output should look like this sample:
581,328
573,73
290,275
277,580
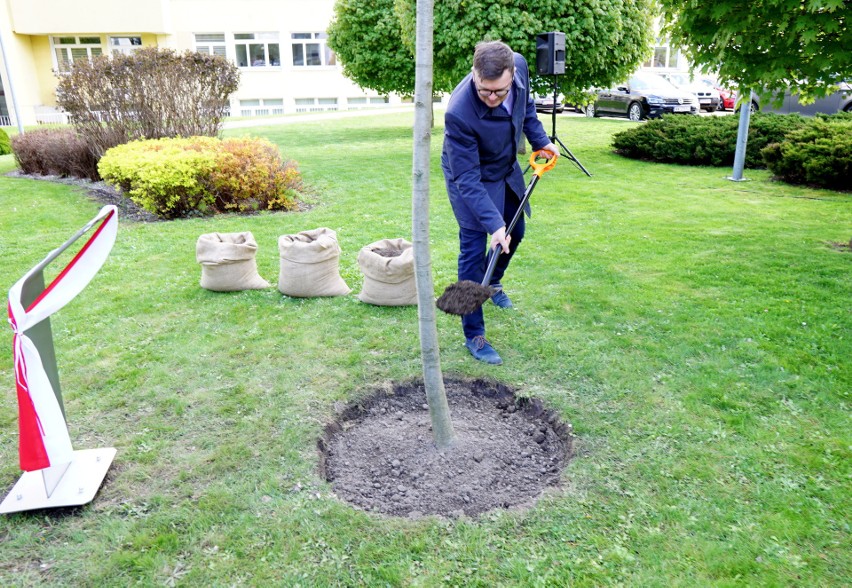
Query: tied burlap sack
310,263
388,268
228,262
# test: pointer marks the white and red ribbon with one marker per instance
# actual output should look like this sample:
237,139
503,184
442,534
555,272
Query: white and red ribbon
44,439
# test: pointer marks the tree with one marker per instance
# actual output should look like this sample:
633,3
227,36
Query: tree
366,36
436,396
766,46
605,40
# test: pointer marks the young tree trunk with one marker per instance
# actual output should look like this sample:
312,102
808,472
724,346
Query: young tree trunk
436,396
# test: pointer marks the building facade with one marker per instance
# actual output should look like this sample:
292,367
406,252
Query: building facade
278,45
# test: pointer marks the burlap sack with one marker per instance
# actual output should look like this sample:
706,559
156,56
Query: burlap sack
388,268
228,262
310,263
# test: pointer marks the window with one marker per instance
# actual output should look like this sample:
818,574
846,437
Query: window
264,107
664,55
126,45
210,44
310,50
315,104
257,49
363,101
70,49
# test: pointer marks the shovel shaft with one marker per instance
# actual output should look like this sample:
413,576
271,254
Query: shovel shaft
495,253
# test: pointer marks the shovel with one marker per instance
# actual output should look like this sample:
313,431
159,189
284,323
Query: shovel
465,296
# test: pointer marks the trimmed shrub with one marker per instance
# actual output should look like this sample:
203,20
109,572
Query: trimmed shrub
250,176
819,154
58,152
150,94
5,144
201,175
698,140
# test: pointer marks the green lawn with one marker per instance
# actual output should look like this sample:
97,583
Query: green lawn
695,331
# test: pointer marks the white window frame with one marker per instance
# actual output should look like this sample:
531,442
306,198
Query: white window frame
670,55
261,106
315,104
128,48
63,65
300,43
246,47
211,44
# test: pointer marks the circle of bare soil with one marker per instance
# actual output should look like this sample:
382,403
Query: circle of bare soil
379,455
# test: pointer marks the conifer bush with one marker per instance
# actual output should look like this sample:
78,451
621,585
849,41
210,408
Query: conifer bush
699,140
819,154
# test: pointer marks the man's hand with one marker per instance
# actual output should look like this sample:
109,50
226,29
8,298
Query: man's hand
501,238
551,149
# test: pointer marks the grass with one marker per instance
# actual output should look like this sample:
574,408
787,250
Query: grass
695,331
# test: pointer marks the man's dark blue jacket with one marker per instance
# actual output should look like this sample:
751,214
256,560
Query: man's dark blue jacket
480,150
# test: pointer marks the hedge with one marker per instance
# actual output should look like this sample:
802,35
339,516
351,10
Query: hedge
700,140
819,154
54,152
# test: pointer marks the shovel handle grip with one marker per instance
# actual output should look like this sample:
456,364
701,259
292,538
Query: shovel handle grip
540,168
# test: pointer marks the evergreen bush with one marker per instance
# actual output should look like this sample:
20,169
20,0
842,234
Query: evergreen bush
819,154
699,140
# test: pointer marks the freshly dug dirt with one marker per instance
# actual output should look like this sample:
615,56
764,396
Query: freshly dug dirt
380,456
463,297
387,252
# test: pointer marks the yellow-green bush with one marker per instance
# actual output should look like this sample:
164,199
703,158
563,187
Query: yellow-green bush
183,176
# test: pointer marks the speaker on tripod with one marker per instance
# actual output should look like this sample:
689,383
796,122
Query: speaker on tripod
550,53
550,61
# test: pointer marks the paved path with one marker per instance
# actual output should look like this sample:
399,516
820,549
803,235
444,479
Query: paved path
298,118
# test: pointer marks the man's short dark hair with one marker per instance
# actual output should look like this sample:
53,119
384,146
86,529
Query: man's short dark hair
492,58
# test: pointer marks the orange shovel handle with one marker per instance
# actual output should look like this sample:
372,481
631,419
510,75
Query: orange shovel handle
540,168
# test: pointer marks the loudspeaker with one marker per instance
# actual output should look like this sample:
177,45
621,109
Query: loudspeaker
550,53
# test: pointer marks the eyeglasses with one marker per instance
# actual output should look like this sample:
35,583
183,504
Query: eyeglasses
499,93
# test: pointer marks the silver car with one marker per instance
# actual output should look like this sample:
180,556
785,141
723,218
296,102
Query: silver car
839,101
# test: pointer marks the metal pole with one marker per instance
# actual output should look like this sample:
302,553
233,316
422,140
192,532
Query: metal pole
742,137
11,86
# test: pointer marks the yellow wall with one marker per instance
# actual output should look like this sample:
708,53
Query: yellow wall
51,17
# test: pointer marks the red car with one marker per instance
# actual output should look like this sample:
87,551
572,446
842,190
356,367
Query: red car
728,97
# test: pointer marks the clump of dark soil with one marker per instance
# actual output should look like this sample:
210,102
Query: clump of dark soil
463,297
385,252
380,455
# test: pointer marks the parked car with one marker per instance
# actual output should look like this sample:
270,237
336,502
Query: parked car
643,96
839,101
708,96
547,104
727,98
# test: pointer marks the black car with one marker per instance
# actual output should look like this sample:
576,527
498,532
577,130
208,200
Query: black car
643,96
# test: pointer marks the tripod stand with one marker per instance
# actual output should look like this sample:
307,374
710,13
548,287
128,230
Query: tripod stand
555,140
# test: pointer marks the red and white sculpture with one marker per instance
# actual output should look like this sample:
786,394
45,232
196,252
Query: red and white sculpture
54,473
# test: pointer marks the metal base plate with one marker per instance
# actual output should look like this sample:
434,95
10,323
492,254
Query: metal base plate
77,486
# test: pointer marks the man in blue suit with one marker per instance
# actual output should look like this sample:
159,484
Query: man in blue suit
485,116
